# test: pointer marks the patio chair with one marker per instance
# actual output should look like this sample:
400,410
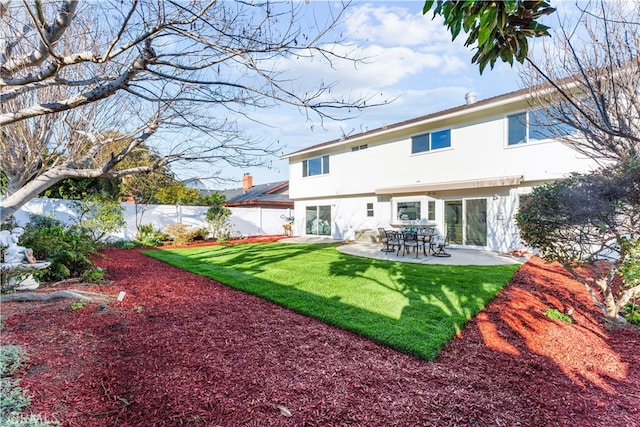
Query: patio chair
438,245
394,239
384,239
409,240
427,238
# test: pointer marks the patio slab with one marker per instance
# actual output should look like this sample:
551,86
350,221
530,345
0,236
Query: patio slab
458,256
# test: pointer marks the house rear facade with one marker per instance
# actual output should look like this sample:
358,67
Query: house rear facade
462,170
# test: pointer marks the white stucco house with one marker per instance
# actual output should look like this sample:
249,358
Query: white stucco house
462,169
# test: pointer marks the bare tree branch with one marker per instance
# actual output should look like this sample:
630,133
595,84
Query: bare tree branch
593,69
79,81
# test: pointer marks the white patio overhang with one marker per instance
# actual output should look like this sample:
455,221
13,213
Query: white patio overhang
503,181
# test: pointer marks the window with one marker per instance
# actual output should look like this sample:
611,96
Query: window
369,209
360,147
431,141
420,143
317,166
431,210
441,139
534,126
517,128
537,129
408,210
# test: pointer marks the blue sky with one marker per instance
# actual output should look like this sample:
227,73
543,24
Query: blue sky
410,58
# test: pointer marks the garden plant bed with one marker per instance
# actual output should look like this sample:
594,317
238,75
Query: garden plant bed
181,349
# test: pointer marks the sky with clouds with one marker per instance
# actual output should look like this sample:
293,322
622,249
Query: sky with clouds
409,61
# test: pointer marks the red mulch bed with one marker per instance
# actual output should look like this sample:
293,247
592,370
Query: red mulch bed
183,350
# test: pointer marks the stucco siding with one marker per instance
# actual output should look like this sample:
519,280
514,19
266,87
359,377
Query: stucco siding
479,177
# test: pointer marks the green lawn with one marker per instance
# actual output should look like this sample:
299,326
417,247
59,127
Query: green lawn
413,308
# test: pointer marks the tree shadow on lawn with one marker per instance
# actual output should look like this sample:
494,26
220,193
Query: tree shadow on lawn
202,352
413,308
422,307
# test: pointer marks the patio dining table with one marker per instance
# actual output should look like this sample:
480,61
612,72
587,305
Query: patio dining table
427,237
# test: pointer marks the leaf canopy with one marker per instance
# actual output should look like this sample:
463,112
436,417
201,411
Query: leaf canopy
497,29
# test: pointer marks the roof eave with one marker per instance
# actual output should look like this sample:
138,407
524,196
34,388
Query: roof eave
459,111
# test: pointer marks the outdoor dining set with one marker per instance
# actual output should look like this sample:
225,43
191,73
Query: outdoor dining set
426,239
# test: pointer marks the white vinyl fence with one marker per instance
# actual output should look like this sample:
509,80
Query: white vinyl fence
244,221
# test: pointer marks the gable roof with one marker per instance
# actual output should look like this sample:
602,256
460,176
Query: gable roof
275,194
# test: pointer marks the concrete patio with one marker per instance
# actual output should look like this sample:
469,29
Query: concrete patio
458,256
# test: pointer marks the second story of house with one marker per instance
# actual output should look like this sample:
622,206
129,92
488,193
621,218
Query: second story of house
500,138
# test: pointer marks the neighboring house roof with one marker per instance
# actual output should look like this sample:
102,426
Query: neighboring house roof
275,194
197,184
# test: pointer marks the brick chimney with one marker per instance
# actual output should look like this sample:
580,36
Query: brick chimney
247,182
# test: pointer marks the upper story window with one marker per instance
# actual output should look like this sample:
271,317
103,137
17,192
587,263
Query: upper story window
360,147
431,141
533,126
316,166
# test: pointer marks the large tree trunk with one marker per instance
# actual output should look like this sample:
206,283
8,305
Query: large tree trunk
607,302
14,201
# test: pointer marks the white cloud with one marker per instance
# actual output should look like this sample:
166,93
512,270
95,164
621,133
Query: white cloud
380,67
405,55
396,25
393,43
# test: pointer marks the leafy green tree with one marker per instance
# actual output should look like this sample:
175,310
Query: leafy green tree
214,199
591,220
79,188
178,193
496,29
218,218
99,215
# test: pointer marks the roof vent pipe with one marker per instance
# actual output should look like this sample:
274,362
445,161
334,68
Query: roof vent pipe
470,97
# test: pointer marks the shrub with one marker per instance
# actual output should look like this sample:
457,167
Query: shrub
631,312
182,233
150,236
68,249
552,313
590,219
201,233
10,356
218,218
93,275
126,245
98,215
224,235
12,399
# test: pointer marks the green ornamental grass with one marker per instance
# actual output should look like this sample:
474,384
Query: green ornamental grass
413,308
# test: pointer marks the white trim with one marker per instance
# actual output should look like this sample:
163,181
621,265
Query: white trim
504,181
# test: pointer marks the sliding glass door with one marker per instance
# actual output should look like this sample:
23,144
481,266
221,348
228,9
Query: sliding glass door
466,221
476,222
318,220
453,221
